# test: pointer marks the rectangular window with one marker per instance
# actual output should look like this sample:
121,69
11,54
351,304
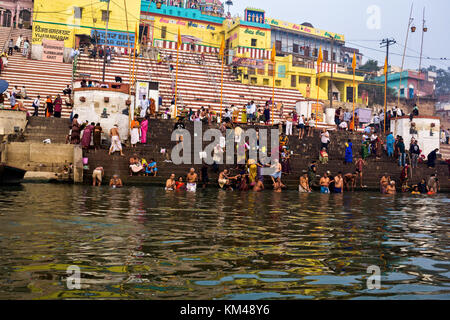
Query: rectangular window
325,55
266,82
78,12
261,71
295,48
254,42
105,15
251,71
315,52
278,83
293,81
270,72
304,80
163,32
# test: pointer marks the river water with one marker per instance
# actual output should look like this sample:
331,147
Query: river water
144,243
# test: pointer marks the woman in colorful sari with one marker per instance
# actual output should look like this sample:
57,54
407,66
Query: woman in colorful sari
349,152
144,128
87,136
134,132
244,115
75,135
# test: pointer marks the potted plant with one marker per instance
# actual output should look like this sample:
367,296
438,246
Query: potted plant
106,99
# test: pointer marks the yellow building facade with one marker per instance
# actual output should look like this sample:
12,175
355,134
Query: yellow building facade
63,20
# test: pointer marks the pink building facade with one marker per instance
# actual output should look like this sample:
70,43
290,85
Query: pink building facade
16,13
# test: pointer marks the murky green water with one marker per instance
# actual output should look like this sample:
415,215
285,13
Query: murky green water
141,243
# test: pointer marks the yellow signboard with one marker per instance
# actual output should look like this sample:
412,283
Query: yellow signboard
303,29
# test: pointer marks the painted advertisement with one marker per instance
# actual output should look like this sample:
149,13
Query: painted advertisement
249,63
53,50
304,29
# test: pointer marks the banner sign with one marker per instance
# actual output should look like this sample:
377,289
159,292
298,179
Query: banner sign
115,39
53,50
249,63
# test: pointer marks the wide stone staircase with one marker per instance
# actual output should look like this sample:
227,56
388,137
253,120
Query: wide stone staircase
198,83
304,151
39,77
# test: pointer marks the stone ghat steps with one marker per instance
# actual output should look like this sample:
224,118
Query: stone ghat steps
39,129
444,149
5,32
39,78
195,91
120,167
121,67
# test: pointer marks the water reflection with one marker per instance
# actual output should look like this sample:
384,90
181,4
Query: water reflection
136,243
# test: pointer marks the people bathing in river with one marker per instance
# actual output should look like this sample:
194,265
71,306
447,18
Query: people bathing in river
191,179
325,182
115,182
339,183
304,183
390,189
171,183
97,176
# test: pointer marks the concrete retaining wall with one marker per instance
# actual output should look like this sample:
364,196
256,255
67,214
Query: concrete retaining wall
9,119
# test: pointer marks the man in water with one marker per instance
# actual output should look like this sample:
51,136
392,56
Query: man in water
433,184
384,183
278,168
259,186
304,183
97,176
339,183
170,183
223,180
278,185
191,180
115,182
350,180
325,183
115,140
390,189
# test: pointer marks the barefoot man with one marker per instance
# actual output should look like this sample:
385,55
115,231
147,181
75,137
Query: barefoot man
259,186
115,140
278,185
390,189
191,179
339,183
325,183
304,183
359,169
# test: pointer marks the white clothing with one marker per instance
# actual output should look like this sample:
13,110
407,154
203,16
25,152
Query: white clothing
115,144
289,128
134,135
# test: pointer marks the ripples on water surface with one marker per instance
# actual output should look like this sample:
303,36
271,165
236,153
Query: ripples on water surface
141,243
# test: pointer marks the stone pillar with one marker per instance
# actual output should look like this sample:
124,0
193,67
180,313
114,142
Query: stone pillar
77,164
1,17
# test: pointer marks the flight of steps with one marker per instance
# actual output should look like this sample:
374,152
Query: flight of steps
305,151
195,87
38,77
39,129
444,149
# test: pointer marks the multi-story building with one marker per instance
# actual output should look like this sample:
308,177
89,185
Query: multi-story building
16,13
411,83
72,21
249,43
